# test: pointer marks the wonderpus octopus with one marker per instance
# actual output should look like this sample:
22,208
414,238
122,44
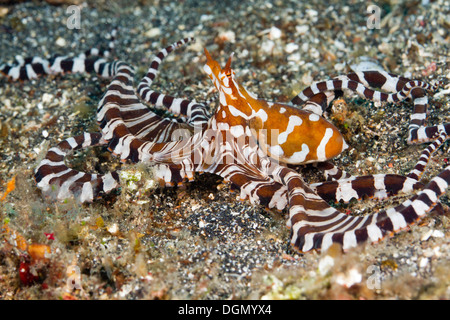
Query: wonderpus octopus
251,143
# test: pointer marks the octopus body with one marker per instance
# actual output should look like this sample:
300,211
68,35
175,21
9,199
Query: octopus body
251,143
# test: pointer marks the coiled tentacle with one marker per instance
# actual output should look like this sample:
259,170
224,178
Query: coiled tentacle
52,173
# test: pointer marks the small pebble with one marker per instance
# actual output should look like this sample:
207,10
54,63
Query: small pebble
423,262
61,42
302,29
274,33
291,47
152,33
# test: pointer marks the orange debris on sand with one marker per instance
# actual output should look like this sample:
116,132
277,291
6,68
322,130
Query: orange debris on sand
10,186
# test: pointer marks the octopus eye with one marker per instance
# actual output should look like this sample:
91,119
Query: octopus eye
228,74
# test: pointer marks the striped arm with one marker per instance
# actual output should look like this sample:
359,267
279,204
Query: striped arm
196,113
272,194
133,132
344,83
400,88
418,170
315,225
54,177
147,81
120,105
426,134
331,172
378,186
170,175
403,88
25,69
33,67
319,102
259,190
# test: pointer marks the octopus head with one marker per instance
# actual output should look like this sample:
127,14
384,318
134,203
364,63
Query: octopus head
223,78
